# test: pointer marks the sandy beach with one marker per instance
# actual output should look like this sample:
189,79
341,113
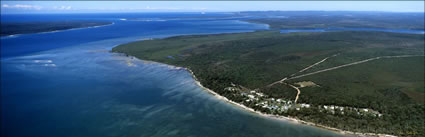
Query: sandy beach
277,117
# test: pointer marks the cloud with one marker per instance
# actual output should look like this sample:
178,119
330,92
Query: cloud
140,8
160,8
199,8
22,6
62,7
145,8
34,7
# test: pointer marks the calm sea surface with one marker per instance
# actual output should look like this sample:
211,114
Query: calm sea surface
67,84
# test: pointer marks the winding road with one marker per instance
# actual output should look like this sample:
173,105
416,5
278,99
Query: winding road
298,90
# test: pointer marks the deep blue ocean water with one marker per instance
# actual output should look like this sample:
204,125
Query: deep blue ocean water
67,84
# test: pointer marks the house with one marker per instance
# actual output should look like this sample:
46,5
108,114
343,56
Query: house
305,105
260,94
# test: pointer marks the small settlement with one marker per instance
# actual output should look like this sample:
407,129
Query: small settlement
264,103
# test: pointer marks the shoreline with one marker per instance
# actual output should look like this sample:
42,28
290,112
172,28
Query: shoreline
54,31
278,117
272,116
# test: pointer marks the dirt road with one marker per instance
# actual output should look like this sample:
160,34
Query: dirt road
306,68
298,90
350,64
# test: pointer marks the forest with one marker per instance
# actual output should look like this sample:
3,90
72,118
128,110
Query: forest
392,86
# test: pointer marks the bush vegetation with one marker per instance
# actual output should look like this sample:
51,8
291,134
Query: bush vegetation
254,60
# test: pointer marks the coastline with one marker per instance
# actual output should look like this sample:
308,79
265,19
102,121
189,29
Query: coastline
17,35
277,117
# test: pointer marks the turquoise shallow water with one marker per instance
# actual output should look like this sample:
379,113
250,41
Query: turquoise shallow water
75,87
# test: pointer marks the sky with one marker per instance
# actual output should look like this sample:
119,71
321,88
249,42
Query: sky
23,7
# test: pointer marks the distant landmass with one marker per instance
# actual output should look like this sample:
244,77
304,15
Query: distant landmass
15,28
358,82
324,19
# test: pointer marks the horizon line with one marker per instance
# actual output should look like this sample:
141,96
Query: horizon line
106,12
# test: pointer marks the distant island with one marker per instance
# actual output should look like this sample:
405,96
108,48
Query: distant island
356,82
325,19
15,28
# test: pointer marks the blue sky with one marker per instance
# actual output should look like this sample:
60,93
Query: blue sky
204,6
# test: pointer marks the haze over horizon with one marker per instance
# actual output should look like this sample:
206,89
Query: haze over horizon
19,7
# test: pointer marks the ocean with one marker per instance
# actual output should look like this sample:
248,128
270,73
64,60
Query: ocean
68,84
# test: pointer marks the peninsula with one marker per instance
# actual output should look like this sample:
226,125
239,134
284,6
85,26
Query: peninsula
15,28
358,82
